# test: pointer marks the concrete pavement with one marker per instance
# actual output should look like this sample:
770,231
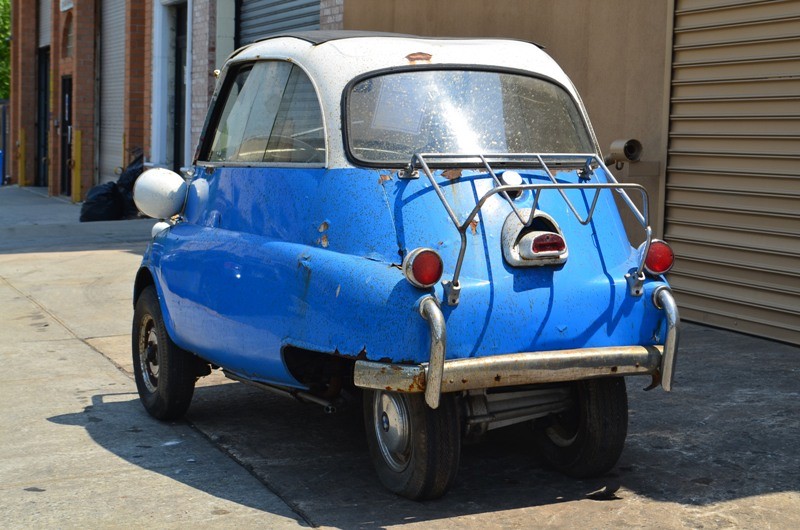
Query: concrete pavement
77,449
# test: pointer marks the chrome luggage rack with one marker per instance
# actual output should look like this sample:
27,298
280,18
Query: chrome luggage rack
587,164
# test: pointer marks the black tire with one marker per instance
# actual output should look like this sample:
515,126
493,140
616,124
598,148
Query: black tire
165,374
415,449
586,440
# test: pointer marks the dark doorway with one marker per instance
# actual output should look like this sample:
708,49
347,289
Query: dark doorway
66,136
43,118
180,88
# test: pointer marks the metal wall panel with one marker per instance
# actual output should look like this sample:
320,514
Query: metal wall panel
256,19
733,175
45,22
112,87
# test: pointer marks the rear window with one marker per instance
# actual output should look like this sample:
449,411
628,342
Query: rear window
392,116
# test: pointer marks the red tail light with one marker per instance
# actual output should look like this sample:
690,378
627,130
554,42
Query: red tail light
423,267
548,242
660,257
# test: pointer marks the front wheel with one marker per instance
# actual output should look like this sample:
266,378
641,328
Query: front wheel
164,373
586,440
415,449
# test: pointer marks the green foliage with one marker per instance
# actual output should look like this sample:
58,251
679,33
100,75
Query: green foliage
5,48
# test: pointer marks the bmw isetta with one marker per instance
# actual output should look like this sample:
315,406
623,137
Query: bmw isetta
427,223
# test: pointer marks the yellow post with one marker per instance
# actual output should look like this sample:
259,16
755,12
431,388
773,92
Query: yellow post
21,155
76,166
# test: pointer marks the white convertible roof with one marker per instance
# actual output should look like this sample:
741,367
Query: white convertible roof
333,58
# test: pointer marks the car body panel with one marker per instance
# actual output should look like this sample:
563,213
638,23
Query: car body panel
280,269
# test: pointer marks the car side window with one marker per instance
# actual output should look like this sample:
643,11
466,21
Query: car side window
271,114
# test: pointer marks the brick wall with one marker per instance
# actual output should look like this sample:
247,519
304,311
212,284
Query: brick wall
81,67
22,146
204,52
56,50
84,59
331,14
147,89
52,95
136,113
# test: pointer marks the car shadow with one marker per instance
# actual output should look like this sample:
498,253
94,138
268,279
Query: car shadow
118,423
729,431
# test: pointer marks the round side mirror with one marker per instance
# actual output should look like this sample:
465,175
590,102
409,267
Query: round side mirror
160,193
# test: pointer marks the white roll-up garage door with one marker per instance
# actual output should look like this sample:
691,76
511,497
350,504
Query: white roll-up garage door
45,22
259,18
112,87
733,177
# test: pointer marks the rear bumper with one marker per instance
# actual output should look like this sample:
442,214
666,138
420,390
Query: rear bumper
440,376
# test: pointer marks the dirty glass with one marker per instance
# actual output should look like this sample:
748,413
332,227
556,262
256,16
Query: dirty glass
271,114
391,117
230,129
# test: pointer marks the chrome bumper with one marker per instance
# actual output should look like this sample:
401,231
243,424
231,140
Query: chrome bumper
439,376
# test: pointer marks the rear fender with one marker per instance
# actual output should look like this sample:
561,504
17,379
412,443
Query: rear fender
352,306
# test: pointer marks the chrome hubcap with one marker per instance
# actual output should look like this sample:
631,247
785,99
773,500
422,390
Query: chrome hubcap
148,353
392,429
561,436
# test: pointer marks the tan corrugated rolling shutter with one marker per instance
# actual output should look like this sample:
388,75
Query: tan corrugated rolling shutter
733,177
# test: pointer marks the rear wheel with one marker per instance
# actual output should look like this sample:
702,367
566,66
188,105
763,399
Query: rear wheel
415,449
164,373
587,439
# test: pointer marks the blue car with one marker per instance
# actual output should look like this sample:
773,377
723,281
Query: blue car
423,224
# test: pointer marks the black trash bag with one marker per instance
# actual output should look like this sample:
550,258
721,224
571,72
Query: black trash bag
104,202
114,200
129,175
129,209
125,185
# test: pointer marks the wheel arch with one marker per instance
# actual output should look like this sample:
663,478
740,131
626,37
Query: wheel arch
143,278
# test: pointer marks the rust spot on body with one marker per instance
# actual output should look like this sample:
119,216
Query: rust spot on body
384,178
473,226
451,174
323,227
324,241
419,57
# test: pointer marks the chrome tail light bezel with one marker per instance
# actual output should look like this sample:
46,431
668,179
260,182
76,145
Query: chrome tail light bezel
657,243
408,267
517,237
